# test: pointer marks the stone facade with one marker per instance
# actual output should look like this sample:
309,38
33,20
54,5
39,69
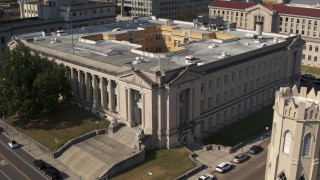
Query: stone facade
294,149
277,18
173,101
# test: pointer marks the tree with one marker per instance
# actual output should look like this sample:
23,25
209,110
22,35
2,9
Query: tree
31,84
1,13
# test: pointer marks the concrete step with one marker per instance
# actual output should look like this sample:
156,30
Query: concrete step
126,136
85,164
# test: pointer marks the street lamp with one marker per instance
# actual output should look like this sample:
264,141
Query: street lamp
97,125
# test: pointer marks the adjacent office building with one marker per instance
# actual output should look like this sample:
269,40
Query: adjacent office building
172,9
277,17
294,149
52,15
171,79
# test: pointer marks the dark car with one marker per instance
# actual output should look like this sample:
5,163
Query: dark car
308,76
40,164
52,172
255,149
316,83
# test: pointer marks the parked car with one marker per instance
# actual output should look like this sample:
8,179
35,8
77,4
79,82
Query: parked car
52,172
13,144
207,177
316,83
222,167
255,149
240,158
303,80
39,163
308,76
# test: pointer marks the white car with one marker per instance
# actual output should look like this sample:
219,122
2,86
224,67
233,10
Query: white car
222,167
13,144
207,177
240,158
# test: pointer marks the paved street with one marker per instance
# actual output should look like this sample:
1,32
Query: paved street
16,163
253,168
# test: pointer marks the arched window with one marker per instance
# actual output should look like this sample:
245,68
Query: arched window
289,112
306,145
287,142
311,114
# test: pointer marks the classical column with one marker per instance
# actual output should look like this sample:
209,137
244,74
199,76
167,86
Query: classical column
110,93
95,94
72,78
80,85
130,106
143,109
190,104
87,82
103,104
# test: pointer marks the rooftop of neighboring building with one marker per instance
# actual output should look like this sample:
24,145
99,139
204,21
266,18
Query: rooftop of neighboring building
97,44
279,8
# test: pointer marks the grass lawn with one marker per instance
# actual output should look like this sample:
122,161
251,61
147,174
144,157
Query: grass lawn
162,163
243,129
54,130
310,70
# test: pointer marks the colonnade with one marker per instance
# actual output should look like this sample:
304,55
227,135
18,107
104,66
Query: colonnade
96,91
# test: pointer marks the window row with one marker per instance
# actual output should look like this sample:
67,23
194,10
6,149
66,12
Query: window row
222,117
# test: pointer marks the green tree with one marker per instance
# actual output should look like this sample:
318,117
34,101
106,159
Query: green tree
1,13
31,84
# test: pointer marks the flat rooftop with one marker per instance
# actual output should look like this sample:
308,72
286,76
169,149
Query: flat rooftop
123,53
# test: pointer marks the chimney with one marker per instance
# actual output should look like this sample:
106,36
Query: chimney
259,27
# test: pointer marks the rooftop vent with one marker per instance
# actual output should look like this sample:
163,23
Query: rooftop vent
247,44
223,55
213,45
54,41
116,29
190,57
138,60
262,45
61,33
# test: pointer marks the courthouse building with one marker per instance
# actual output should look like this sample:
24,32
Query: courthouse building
294,149
169,78
277,17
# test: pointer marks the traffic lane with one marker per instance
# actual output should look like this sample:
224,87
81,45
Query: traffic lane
10,171
247,168
19,160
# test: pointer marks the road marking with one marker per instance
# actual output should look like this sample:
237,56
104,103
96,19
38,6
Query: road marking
261,165
5,175
3,163
15,167
23,160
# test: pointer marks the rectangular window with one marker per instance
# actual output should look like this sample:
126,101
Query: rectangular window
210,121
210,102
202,126
201,106
218,82
2,40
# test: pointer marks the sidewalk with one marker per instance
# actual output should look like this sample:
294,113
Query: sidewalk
212,158
37,152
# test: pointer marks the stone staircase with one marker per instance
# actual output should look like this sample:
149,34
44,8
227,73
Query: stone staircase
126,136
80,161
93,157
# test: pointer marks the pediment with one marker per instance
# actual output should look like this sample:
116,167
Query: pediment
184,77
135,78
259,8
298,42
